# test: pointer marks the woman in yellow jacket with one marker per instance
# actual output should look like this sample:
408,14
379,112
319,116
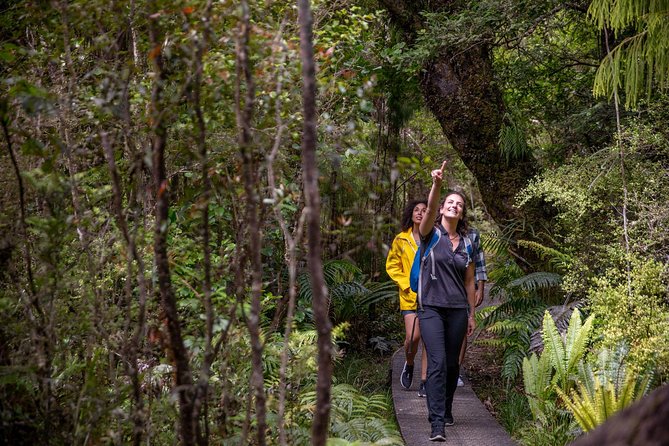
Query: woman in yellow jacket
398,266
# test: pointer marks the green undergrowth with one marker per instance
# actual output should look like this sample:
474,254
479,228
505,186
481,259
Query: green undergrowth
368,372
504,399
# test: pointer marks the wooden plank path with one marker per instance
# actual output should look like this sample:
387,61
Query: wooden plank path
474,425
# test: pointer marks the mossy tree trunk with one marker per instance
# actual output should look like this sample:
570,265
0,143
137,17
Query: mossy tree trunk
459,88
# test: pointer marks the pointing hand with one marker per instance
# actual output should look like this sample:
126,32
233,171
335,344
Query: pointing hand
438,174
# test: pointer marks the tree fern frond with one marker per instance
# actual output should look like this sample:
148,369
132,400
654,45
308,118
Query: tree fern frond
512,363
497,343
555,258
517,305
344,292
378,292
538,280
494,244
504,273
639,60
359,418
338,271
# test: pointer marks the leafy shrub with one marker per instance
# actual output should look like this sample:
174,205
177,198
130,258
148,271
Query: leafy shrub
614,307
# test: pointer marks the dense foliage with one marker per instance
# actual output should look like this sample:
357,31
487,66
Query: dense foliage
99,236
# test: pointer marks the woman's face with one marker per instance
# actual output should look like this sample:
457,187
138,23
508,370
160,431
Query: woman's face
453,207
418,213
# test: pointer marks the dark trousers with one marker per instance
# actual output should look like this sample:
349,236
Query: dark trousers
442,330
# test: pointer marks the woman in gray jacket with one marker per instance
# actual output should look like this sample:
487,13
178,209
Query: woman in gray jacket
446,299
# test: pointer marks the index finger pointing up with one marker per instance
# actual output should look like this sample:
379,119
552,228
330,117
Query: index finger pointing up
443,165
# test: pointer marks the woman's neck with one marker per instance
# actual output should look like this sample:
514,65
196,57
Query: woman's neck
415,231
451,225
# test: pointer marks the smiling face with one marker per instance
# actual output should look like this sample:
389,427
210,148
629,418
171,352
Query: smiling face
453,207
418,213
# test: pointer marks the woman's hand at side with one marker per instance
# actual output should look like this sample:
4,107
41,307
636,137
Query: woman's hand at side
471,324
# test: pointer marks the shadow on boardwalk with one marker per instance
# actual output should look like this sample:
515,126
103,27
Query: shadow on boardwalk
474,426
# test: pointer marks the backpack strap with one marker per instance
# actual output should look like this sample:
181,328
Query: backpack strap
415,277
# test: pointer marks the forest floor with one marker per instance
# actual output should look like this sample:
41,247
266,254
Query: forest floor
483,368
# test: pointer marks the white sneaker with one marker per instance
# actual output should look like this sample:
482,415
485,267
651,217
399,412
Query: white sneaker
460,382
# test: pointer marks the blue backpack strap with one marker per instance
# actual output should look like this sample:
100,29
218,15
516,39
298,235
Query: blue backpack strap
423,252
415,271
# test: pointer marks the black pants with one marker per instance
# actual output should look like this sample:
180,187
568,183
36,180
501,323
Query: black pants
443,330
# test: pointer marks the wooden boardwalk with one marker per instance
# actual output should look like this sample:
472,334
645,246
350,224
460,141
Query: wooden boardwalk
474,426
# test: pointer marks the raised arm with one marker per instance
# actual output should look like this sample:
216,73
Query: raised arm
427,223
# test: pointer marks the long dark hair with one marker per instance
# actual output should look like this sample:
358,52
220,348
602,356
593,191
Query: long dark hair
407,213
463,224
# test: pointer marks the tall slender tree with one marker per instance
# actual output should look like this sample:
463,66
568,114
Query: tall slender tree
250,174
184,379
312,211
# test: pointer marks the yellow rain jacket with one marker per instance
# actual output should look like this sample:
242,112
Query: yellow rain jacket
398,266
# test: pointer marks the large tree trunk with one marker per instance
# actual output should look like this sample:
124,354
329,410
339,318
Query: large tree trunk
459,90
458,87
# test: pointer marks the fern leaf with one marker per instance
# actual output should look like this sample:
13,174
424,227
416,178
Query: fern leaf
538,280
578,337
553,346
555,258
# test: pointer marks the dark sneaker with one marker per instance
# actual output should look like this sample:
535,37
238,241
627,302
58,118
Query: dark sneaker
438,434
421,390
407,376
448,420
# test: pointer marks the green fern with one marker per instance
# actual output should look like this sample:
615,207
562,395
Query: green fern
377,293
560,364
638,62
537,373
565,354
350,295
358,418
535,281
598,400
512,141
495,244
513,323
555,258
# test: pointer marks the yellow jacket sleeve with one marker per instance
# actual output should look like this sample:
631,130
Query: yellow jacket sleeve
395,266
